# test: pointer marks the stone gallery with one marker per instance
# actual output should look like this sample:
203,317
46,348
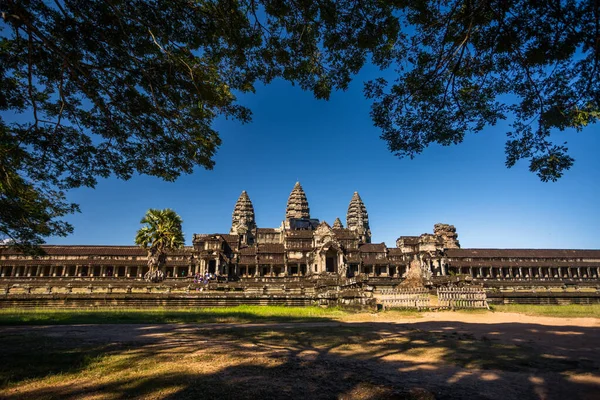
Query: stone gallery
306,247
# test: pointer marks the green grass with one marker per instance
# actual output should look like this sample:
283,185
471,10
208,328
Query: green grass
245,314
566,310
240,314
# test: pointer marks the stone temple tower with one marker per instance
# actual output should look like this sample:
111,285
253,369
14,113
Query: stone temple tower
357,218
337,224
297,205
242,220
297,213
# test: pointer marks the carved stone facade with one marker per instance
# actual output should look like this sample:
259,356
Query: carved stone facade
448,235
304,246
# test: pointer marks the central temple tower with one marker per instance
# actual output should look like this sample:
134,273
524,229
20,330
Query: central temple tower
297,205
297,213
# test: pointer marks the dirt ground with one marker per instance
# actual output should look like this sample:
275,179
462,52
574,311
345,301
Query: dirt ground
441,355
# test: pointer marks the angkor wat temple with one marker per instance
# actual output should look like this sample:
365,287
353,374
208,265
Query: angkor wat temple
306,247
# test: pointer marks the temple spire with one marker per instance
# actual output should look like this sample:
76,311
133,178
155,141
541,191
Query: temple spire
297,205
242,219
337,224
357,218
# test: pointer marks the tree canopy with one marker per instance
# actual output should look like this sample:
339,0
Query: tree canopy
467,64
97,88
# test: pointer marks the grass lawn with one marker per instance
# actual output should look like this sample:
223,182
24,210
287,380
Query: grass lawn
563,311
254,314
239,314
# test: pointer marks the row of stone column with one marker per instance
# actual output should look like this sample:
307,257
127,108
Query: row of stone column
529,272
71,271
87,271
389,270
284,270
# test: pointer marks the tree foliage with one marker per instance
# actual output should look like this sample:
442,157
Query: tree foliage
119,87
467,64
97,88
161,233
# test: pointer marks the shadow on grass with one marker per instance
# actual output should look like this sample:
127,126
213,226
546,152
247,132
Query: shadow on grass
30,356
331,359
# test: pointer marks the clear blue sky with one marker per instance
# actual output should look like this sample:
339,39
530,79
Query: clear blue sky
333,149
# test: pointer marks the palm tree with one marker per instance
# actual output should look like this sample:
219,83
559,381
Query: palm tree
161,233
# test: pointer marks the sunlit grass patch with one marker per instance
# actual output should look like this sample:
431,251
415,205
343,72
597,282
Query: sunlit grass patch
239,314
552,310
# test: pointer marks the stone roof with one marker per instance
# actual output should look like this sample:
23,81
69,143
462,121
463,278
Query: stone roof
344,234
266,230
524,263
394,251
232,240
375,261
271,248
522,253
251,259
353,258
248,251
300,234
372,248
83,262
93,250
297,205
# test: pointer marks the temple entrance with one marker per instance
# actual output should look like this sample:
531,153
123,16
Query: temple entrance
352,270
212,266
329,265
331,261
230,271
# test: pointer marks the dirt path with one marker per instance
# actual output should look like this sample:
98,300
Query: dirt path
504,327
442,355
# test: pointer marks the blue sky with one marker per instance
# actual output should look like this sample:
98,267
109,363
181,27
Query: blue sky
333,149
